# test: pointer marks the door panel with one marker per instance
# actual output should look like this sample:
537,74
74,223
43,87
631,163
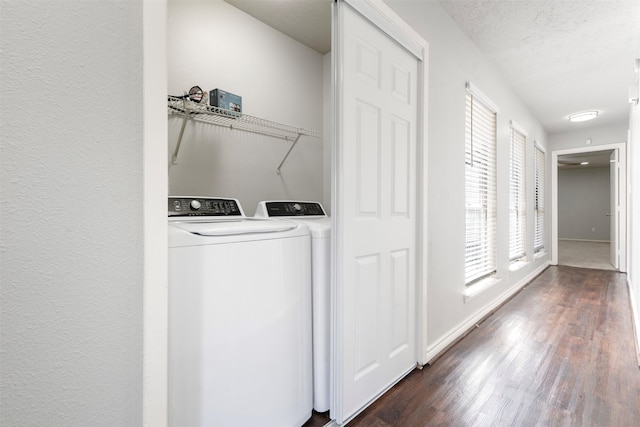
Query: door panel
367,158
401,285
401,140
375,205
367,290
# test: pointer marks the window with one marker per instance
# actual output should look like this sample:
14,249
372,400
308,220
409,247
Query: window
538,235
517,195
480,187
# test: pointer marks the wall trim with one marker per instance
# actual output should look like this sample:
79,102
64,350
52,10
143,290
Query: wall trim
635,318
444,343
155,146
584,240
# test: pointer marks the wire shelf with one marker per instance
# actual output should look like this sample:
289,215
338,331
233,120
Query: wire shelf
234,120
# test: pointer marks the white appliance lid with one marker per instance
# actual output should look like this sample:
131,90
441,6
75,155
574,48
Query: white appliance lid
230,227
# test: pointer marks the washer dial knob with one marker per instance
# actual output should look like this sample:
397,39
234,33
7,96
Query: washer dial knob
195,205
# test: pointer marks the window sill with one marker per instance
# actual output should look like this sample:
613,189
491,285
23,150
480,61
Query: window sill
539,254
518,264
479,287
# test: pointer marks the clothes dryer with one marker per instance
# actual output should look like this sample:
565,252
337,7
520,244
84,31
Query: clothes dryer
239,317
314,216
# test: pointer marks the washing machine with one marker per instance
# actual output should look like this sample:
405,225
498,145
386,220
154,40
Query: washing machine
240,347
314,216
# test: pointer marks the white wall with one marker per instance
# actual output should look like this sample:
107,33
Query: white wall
454,60
71,212
583,202
214,45
599,135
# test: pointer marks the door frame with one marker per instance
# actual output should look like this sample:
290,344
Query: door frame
614,202
155,148
621,148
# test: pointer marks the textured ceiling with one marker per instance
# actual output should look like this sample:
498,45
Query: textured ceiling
559,56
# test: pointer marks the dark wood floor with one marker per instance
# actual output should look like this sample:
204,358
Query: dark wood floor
560,353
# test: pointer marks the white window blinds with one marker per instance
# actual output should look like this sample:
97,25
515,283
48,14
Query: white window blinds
517,196
538,236
480,194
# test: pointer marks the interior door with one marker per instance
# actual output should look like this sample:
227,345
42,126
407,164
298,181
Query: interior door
614,210
374,342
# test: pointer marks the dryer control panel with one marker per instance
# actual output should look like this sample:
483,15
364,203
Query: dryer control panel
203,206
293,208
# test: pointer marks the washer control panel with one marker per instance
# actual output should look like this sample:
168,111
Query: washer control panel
203,206
293,208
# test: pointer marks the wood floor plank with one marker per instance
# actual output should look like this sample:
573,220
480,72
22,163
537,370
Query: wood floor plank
560,353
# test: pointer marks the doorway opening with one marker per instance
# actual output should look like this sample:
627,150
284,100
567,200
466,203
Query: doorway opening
589,207
584,210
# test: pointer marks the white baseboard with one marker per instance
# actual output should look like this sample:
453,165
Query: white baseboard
635,314
437,348
584,240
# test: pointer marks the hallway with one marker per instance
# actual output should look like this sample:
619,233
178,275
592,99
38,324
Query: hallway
561,352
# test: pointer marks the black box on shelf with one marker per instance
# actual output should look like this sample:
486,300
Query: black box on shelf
225,100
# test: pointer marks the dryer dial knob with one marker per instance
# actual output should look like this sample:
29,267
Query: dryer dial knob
297,207
195,205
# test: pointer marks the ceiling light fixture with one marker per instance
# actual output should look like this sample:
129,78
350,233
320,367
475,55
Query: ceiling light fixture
584,163
583,117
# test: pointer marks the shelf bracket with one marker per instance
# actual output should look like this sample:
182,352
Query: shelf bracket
174,158
288,152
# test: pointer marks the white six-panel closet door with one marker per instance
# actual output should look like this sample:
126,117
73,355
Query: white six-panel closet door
375,208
